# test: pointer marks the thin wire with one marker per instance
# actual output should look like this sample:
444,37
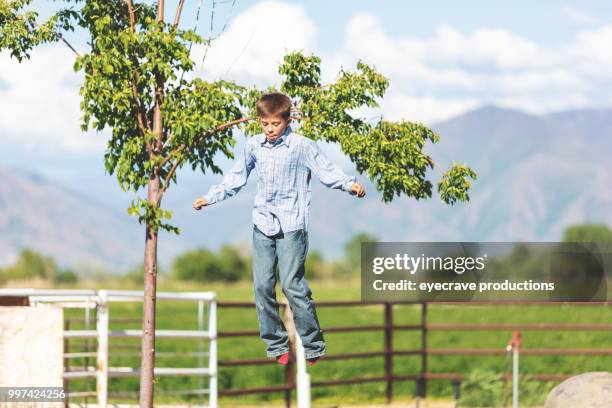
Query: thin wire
241,52
211,39
207,47
228,17
195,28
197,22
212,17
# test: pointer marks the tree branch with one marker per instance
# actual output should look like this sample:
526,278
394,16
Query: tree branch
130,6
158,121
168,141
160,10
219,128
166,182
179,10
183,147
141,115
59,36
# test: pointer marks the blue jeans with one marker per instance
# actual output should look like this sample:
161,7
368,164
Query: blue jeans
288,251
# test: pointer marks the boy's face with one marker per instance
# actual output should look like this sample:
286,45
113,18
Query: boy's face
273,126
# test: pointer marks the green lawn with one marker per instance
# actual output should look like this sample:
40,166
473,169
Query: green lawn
183,315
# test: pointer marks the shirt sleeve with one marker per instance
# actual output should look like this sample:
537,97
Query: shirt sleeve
328,173
234,180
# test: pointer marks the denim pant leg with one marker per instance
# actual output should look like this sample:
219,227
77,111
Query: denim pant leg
271,328
291,249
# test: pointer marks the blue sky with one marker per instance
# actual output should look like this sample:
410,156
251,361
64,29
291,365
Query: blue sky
442,58
543,21
548,22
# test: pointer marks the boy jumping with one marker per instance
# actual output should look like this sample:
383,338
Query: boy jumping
283,161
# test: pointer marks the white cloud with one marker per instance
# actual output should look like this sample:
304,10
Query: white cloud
589,53
432,78
40,105
255,42
577,17
397,106
439,76
493,47
39,98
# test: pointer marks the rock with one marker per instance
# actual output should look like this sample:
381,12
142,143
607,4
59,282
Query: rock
588,390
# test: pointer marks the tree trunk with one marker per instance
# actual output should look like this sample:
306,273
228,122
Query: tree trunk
150,256
148,317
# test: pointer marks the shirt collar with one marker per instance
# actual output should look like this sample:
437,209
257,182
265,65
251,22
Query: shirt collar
284,137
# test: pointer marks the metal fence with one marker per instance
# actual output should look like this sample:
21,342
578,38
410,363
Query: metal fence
97,328
98,302
424,327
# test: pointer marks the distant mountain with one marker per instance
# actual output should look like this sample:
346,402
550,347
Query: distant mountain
595,122
536,175
71,226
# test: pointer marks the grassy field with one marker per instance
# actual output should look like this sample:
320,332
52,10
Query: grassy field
482,369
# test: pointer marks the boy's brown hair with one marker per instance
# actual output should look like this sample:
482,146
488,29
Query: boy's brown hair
274,104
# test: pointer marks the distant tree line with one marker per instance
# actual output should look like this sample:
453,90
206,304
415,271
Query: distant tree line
33,265
229,264
232,263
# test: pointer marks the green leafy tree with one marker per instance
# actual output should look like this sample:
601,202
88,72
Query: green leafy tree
68,276
32,264
588,233
233,264
314,264
160,121
203,265
196,265
352,253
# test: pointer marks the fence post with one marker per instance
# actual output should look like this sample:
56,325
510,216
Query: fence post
422,390
290,367
66,362
289,378
302,378
102,358
389,350
87,340
457,392
201,342
212,354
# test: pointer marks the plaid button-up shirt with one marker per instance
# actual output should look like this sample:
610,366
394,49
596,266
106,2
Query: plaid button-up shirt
283,188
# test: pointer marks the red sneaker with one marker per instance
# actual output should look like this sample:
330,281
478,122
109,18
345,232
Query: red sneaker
283,359
313,361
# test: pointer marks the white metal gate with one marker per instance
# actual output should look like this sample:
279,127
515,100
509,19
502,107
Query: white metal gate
100,300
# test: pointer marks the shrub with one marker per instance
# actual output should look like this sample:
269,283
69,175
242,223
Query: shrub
203,265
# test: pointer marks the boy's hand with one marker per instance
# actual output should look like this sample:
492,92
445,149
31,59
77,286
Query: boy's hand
199,203
358,189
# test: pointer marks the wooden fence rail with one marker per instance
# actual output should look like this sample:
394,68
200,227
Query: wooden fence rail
424,351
